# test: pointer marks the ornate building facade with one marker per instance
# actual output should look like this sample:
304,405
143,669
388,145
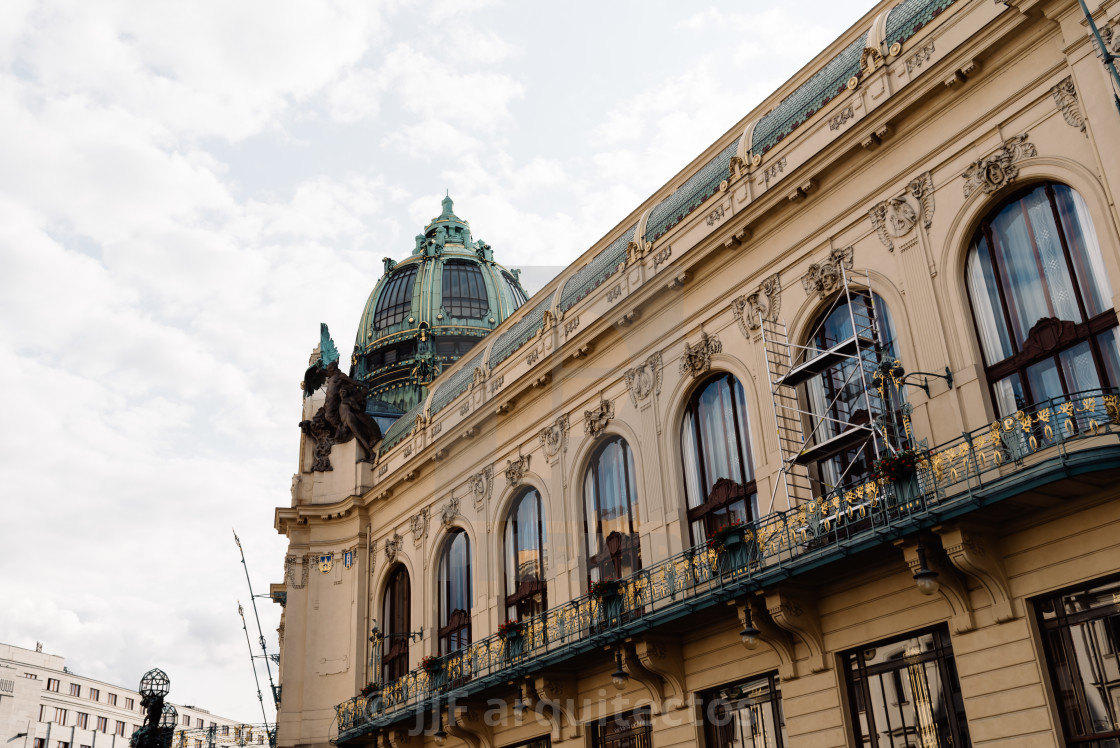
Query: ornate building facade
817,447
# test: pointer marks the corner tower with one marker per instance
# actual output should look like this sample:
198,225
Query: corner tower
428,310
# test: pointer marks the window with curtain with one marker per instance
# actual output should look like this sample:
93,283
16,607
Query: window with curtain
526,558
396,620
716,452
842,395
1041,299
454,589
611,497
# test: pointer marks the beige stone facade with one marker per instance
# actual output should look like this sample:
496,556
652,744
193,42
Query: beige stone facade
887,183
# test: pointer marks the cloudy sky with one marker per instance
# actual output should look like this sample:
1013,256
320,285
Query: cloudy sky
187,189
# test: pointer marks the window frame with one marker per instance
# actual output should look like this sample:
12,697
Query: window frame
715,733
394,652
454,632
395,299
629,545
521,593
461,282
638,735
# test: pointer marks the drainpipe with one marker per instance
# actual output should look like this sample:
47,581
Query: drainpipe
1107,57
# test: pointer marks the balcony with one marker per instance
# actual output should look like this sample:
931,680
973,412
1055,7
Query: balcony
1054,440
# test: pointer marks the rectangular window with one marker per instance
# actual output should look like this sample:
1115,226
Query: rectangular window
32,676
59,715
42,713
87,746
52,684
905,691
94,694
83,720
102,724
63,744
75,689
187,720
40,742
129,702
225,729
120,728
746,713
111,699
1081,636
631,730
198,722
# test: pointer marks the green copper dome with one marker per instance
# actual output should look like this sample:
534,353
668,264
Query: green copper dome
430,309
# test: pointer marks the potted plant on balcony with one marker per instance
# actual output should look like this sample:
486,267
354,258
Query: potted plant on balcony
604,590
431,664
371,689
728,536
510,630
901,469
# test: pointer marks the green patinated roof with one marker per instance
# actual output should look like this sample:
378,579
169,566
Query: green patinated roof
401,428
456,384
519,333
700,186
591,276
909,16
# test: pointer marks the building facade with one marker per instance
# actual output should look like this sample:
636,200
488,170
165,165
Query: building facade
817,447
44,705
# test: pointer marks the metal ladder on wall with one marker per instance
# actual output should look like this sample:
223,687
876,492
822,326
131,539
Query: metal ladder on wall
809,432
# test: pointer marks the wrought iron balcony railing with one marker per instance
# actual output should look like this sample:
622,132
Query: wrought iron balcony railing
1029,448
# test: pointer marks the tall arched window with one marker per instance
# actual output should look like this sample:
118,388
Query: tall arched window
716,450
454,589
526,558
842,396
396,298
611,497
1041,299
396,618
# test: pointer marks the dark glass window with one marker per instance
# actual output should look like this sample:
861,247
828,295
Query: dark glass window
842,396
1081,635
746,714
613,550
1041,299
397,617
519,296
633,730
395,299
526,558
715,448
905,691
454,589
464,290
454,347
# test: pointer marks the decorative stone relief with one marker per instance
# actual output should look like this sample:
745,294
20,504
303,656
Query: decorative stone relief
774,170
920,56
697,360
596,419
321,434
614,293
715,216
571,325
554,437
644,379
921,187
662,256
515,470
393,545
893,219
1065,96
838,120
481,484
1111,38
999,169
418,523
825,277
450,511
762,305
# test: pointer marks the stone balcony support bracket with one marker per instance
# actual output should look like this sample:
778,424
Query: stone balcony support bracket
469,725
771,634
975,555
797,613
953,587
556,700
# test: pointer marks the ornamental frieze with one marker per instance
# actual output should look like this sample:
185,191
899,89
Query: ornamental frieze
825,277
763,305
999,169
644,379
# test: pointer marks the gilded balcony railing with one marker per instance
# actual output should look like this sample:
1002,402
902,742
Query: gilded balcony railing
953,478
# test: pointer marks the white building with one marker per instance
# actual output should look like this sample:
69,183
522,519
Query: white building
44,705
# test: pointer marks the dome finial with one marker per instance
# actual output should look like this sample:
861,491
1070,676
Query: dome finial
446,205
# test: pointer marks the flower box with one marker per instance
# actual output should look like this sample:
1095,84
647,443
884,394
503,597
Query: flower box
431,665
605,589
510,630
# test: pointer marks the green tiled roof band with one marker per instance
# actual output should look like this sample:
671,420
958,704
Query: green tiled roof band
456,384
702,185
909,16
813,94
591,276
401,428
517,335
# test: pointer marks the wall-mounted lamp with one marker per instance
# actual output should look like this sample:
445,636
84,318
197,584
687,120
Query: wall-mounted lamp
440,736
619,677
925,577
749,635
891,370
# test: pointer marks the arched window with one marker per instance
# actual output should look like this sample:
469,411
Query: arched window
842,396
613,550
716,450
526,558
464,290
1041,299
515,290
396,619
454,589
395,299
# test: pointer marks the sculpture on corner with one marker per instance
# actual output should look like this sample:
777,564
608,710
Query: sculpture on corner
343,415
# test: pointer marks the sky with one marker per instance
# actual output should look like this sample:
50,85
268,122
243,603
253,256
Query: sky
188,189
